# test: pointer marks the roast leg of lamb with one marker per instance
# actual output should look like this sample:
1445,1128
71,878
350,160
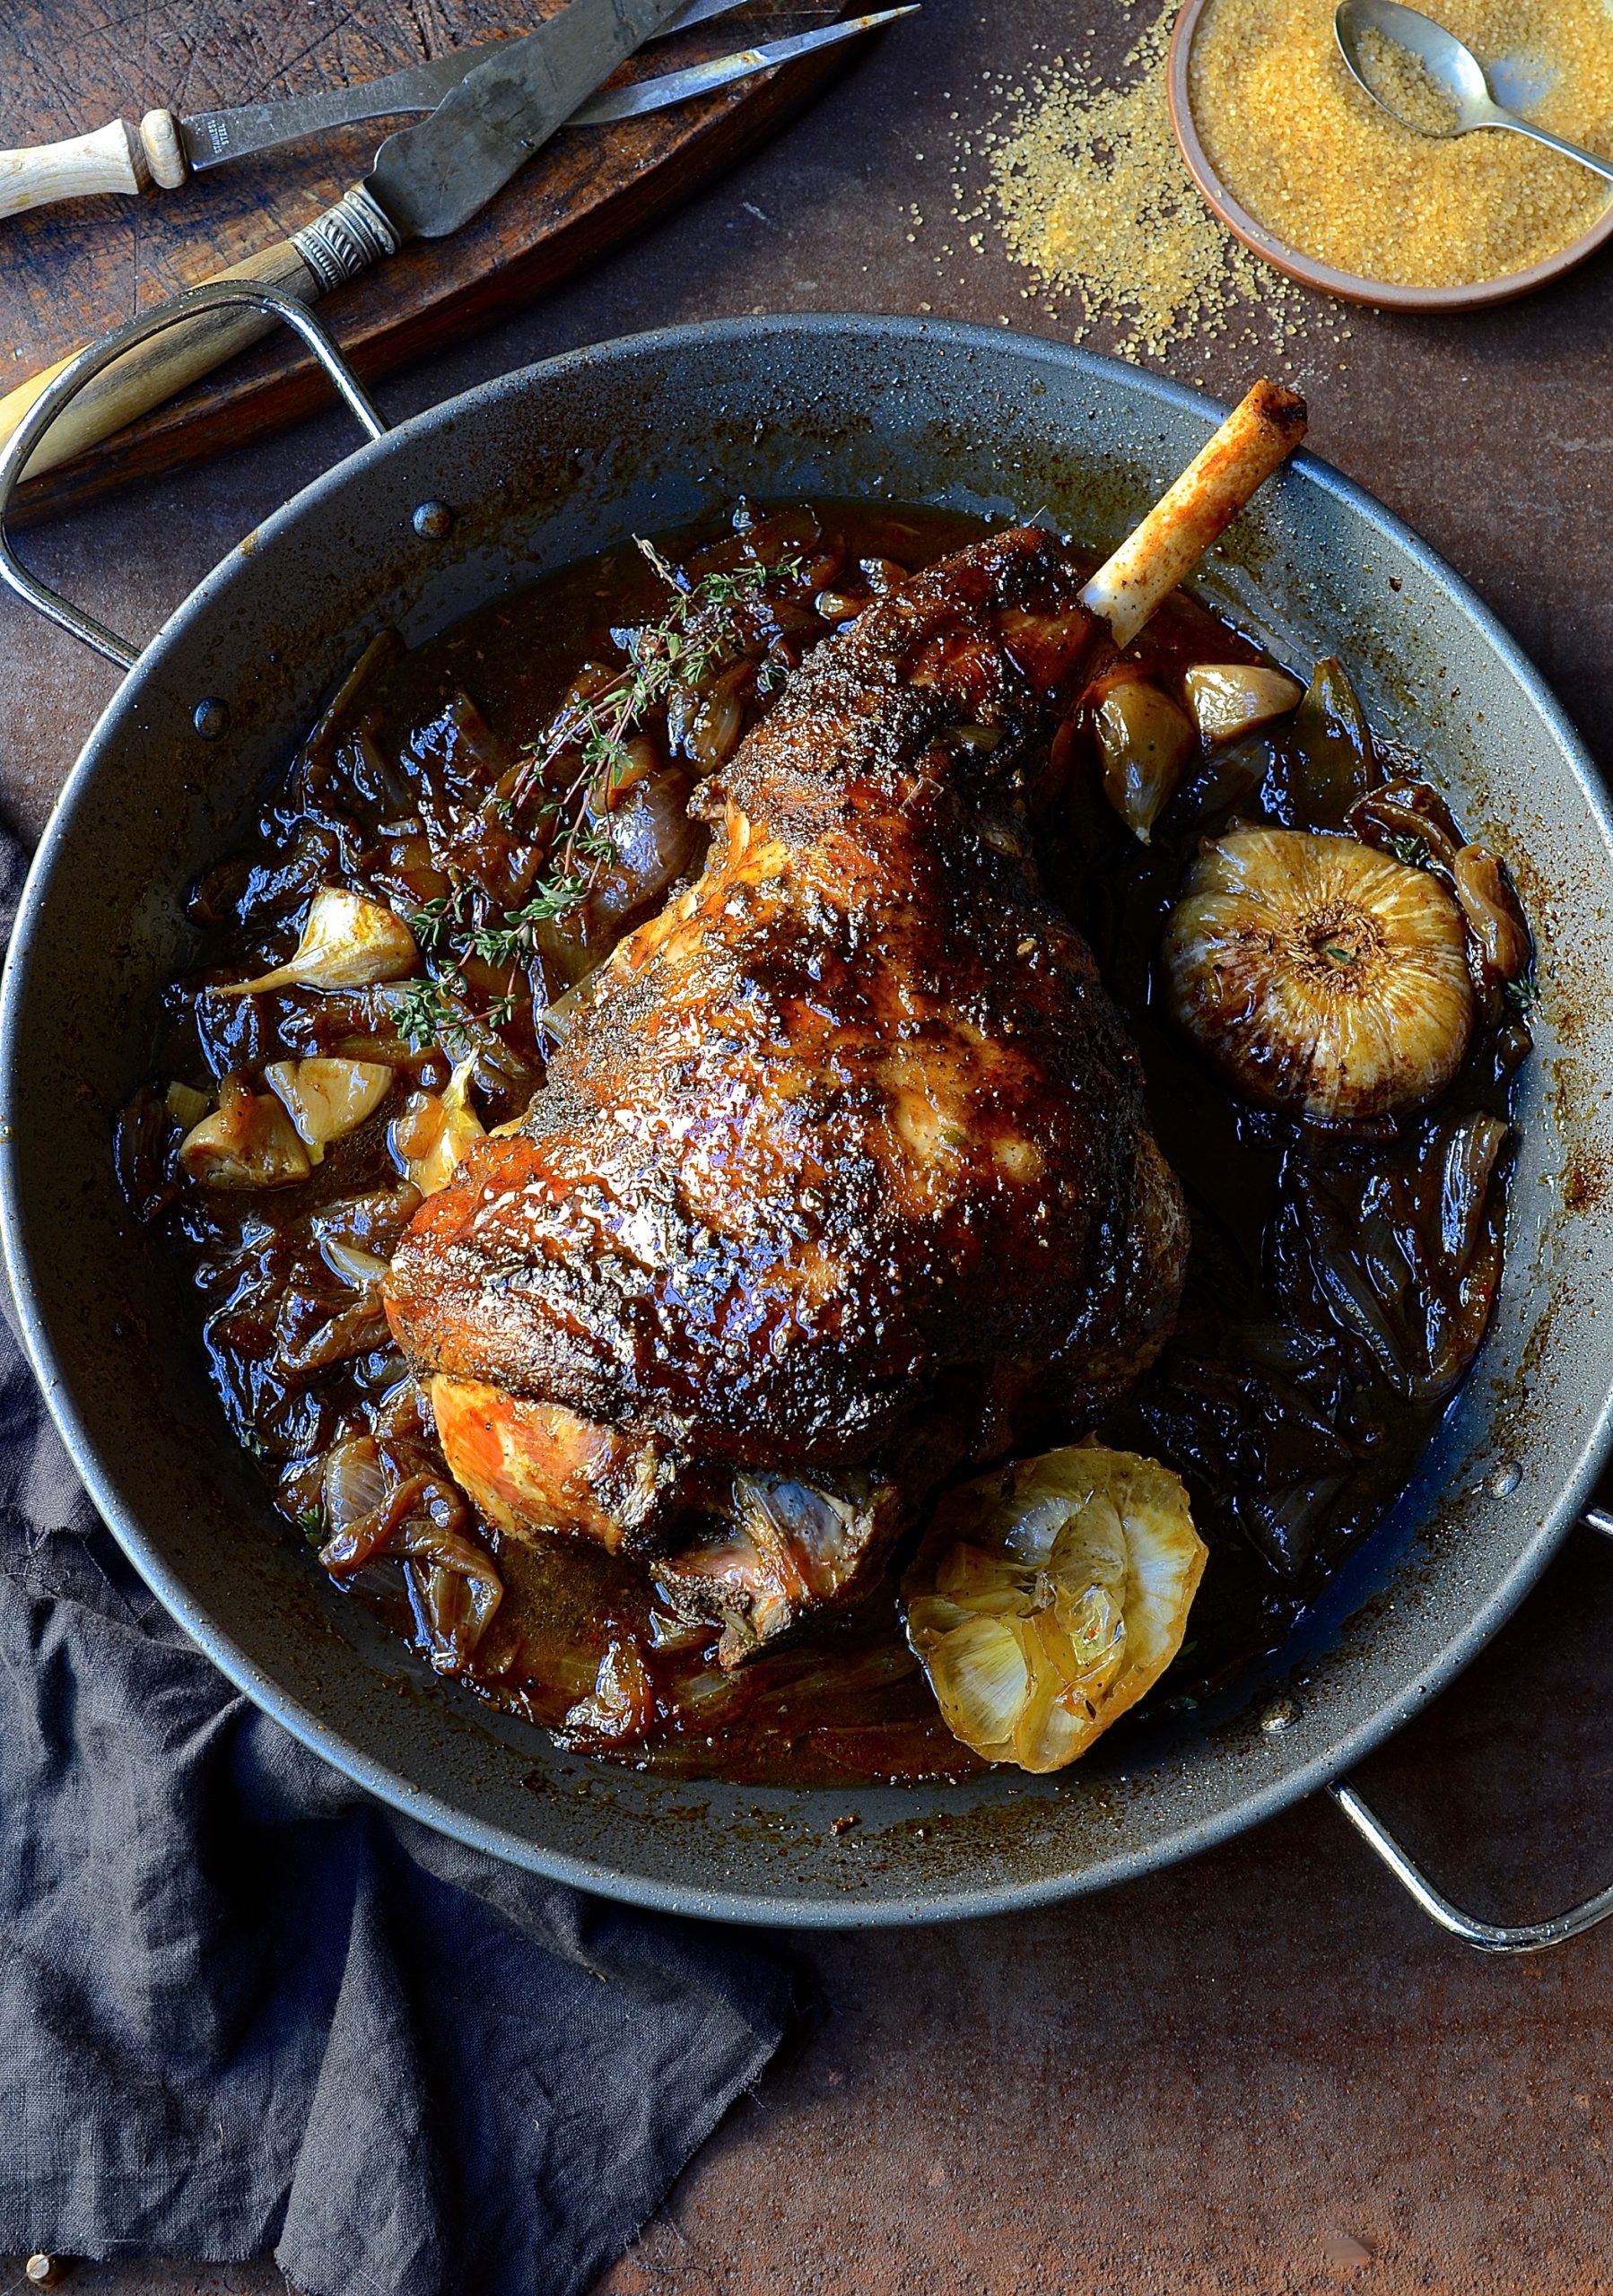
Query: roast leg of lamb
840,1180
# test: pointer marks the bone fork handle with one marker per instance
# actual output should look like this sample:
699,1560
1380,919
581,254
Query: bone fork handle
113,157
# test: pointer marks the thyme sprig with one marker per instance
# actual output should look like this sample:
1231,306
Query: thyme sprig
422,1014
691,639
672,652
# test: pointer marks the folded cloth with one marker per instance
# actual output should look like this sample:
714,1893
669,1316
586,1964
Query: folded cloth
244,2007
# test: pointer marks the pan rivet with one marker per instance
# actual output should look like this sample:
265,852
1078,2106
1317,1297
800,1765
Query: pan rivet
1505,1480
433,521
210,717
1279,1715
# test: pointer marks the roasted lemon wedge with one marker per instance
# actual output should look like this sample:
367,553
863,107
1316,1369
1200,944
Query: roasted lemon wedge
1318,975
1048,1596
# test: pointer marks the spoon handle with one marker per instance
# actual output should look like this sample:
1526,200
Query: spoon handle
1603,168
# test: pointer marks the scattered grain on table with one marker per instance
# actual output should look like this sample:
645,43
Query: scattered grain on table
1085,188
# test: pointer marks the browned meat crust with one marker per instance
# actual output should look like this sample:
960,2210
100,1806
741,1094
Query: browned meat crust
851,1141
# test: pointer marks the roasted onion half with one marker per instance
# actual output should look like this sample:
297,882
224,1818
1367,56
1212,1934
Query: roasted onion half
1048,1596
1318,975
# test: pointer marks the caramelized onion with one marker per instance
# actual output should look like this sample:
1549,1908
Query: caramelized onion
369,1511
353,1266
142,1142
714,735
1406,1260
883,575
353,1490
1491,909
358,1330
1471,1150
655,842
621,1704
1329,749
454,1588
1412,820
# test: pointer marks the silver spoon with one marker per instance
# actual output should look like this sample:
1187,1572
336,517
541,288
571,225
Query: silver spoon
1455,70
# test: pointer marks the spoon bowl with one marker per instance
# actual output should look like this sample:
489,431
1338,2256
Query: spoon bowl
1310,270
1453,72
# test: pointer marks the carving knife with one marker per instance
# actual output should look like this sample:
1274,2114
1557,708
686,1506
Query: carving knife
427,181
168,146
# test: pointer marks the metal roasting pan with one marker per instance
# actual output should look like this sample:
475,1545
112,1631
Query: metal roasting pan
558,462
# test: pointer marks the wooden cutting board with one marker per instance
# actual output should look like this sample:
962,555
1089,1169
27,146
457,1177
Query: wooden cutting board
69,273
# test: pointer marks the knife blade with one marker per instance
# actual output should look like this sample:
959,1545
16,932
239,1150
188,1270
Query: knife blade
207,139
169,147
489,128
699,79
430,178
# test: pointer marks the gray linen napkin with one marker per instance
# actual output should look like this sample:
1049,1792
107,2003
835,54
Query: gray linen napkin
244,2008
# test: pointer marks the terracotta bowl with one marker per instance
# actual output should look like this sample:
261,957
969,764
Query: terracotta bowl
1346,284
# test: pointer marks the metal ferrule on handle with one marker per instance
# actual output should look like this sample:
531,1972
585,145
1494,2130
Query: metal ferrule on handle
216,296
346,239
1484,1937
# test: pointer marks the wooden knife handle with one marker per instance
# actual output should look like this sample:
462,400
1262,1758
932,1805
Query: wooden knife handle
154,372
338,245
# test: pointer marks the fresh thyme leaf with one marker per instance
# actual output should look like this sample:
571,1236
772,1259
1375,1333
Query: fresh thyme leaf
1520,995
556,897
1410,850
500,1012
422,1014
430,922
677,653
668,572
310,1521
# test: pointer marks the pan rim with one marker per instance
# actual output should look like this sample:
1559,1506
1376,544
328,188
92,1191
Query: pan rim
739,1905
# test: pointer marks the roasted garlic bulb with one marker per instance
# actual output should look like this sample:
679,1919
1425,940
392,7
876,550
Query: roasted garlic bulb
249,1142
429,1140
327,1098
346,942
1048,1596
1491,908
1318,975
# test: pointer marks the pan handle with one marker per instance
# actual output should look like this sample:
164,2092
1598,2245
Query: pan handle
217,295
1484,1937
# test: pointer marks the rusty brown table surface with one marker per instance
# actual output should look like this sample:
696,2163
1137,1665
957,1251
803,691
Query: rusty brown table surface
1262,2070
